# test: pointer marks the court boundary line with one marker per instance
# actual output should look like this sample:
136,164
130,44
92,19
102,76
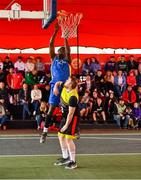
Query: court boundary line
83,137
55,155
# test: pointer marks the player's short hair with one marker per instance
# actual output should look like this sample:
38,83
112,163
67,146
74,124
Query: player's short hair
74,81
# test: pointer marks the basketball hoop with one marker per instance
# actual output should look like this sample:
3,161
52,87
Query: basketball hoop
69,24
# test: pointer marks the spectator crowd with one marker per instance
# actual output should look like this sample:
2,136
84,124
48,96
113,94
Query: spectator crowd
107,94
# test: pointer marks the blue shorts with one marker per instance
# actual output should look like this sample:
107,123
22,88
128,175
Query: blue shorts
53,99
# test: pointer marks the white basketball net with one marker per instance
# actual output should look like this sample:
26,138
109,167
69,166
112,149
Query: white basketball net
69,25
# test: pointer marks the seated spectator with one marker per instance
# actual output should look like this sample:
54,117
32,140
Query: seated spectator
129,96
20,65
131,79
41,114
86,68
29,65
3,116
7,64
110,64
119,84
137,115
83,109
119,113
109,106
121,65
31,78
109,81
99,80
98,111
132,64
40,67
24,97
94,66
1,64
88,83
36,96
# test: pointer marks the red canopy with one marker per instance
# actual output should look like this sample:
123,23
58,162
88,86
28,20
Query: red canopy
105,23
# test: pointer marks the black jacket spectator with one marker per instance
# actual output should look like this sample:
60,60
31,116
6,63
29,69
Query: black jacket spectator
122,65
110,65
7,64
131,63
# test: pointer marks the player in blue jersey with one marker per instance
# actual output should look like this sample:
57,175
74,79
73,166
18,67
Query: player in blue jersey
60,71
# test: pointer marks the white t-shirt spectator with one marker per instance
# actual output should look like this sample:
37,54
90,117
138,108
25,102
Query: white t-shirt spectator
20,65
29,67
36,94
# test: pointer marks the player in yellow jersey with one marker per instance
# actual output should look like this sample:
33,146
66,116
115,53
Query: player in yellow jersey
69,122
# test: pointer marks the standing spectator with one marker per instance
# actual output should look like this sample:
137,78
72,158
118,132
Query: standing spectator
36,96
131,79
120,83
24,97
129,96
40,67
94,66
119,113
1,64
7,64
121,65
131,63
98,111
86,68
41,114
109,106
20,65
29,66
110,64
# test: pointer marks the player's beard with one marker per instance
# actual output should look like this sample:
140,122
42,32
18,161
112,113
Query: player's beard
61,56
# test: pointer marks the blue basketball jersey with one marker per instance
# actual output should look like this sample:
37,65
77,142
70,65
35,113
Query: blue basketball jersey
60,70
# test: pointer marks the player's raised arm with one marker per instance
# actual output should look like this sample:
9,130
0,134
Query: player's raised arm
67,49
51,45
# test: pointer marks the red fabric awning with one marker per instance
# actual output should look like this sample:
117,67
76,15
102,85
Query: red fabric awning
105,23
